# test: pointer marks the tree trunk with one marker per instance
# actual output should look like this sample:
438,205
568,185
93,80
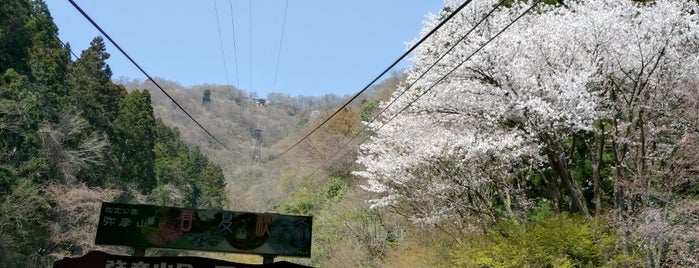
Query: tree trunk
596,167
552,191
559,163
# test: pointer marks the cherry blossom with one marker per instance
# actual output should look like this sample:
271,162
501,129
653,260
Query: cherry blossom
456,147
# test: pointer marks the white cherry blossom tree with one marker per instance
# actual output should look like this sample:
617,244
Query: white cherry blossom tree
602,85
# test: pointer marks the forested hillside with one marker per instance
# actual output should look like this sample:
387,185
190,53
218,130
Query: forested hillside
240,120
71,138
567,140
525,134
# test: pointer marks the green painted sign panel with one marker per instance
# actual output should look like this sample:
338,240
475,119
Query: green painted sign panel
213,230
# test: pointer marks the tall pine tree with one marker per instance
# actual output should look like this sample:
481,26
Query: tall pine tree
14,38
134,138
91,89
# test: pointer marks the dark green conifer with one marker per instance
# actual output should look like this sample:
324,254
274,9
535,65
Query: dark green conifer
134,138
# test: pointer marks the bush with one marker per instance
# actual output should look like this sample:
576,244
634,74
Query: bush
311,198
560,240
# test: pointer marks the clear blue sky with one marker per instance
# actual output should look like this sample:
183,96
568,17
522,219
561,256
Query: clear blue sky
328,46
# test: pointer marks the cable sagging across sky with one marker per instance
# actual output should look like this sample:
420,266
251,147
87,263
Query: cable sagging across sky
390,67
146,74
453,46
223,53
281,41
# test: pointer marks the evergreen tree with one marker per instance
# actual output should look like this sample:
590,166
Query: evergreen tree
20,115
90,87
14,38
47,58
134,136
63,122
211,185
206,98
91,93
197,182
23,168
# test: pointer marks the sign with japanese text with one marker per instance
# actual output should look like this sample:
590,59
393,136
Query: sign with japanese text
148,226
98,259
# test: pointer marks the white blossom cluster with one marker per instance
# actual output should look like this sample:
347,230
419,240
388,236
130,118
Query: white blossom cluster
540,78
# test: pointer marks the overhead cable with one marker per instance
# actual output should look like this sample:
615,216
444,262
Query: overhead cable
413,47
434,84
235,49
223,54
146,74
250,35
451,48
279,53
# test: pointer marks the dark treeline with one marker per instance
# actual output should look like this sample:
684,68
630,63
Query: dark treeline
70,138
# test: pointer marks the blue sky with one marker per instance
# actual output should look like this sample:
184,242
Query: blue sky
327,47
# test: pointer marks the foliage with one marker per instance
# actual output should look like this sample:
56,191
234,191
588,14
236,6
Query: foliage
667,236
20,116
23,228
579,106
345,122
14,39
71,138
74,217
556,241
134,138
90,88
48,60
211,187
566,95
421,247
367,113
347,233
206,97
185,177
70,146
311,198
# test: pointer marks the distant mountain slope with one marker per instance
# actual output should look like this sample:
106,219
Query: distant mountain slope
235,118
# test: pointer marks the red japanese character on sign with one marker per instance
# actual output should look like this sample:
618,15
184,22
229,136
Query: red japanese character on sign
186,218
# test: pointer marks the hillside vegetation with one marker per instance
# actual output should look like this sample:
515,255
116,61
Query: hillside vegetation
569,140
70,138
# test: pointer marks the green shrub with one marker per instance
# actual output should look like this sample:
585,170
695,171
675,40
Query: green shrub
559,240
312,198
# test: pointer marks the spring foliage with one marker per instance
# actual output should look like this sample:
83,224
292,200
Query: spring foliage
614,74
557,241
588,107
70,138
